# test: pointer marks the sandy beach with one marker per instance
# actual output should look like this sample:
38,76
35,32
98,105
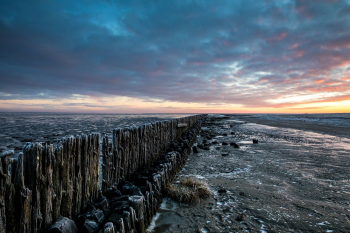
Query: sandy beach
296,179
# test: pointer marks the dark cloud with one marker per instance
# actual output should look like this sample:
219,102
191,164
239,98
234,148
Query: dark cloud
239,52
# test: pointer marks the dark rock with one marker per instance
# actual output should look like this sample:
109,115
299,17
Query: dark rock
204,141
209,138
241,194
224,143
218,148
235,145
200,146
98,216
127,188
214,142
225,134
122,198
224,154
195,149
222,190
206,148
241,217
101,203
63,225
255,141
87,214
90,226
232,133
89,208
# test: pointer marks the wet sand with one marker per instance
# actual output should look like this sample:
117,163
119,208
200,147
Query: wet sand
296,179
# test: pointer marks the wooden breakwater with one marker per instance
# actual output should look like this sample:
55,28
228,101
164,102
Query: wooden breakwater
44,183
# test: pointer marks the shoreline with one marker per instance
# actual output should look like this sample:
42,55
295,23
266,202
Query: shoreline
291,181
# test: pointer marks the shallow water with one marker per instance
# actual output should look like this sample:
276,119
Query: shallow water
18,128
331,119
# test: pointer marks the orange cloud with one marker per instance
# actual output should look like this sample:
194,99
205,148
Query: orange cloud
299,53
320,81
279,37
293,46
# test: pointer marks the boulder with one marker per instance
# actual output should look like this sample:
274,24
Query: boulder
235,145
63,225
195,149
127,188
90,227
255,141
98,216
112,192
101,203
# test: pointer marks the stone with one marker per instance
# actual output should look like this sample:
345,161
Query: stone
112,192
119,205
63,225
224,154
195,149
222,190
214,142
225,134
224,143
235,145
101,203
255,141
232,133
98,216
241,217
127,188
90,227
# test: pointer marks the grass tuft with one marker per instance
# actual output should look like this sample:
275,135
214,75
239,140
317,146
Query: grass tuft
189,190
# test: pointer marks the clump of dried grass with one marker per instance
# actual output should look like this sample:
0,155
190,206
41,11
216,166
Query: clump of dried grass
189,190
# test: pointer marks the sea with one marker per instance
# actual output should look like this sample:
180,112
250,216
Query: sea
16,129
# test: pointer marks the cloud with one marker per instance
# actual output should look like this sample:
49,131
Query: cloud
229,52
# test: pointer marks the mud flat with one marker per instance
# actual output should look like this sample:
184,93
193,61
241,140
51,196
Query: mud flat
19,128
295,179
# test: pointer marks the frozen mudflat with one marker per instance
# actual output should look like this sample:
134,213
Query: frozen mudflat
18,128
296,179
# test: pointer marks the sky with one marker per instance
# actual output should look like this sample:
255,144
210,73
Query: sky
175,56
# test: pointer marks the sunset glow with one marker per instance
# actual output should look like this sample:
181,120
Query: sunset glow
288,56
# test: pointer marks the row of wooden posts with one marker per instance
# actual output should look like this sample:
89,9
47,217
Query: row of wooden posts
45,182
